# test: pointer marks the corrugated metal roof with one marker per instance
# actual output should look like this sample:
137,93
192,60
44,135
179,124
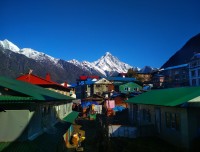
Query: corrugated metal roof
121,79
177,66
133,84
167,97
15,99
11,98
34,91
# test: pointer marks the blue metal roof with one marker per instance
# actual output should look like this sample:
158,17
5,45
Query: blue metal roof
177,66
122,79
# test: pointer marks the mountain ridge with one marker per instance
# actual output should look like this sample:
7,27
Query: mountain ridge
105,66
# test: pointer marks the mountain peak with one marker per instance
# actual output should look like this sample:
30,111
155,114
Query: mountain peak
108,53
9,45
28,52
110,63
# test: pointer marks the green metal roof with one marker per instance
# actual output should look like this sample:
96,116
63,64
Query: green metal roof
71,117
11,98
167,97
132,84
31,90
15,99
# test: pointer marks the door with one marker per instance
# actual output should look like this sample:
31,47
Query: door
158,120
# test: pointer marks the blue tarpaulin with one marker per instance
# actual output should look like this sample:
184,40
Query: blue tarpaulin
119,108
88,103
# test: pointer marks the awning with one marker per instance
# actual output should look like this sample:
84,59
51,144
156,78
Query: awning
71,117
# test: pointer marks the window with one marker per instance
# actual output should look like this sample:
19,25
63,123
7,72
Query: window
193,64
172,120
64,109
193,73
127,89
176,72
167,118
146,115
98,93
193,82
46,111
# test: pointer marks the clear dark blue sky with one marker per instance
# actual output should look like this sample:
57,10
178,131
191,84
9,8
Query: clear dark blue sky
138,32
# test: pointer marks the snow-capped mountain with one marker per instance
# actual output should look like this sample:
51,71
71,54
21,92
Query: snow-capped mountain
16,61
106,65
28,52
110,64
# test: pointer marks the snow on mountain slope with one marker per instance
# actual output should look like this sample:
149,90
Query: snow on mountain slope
87,66
28,52
9,45
110,63
33,54
93,68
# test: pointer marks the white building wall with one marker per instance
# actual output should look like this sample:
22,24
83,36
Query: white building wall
13,124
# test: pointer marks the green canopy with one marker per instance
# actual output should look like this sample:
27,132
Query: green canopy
71,117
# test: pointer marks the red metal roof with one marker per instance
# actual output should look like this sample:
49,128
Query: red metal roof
34,79
83,77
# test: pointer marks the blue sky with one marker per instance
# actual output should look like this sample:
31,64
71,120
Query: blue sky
138,32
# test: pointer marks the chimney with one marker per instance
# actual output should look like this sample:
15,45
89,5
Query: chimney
48,77
65,84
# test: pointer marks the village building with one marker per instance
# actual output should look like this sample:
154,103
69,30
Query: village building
130,87
176,76
157,80
87,87
171,114
144,77
117,81
32,113
48,84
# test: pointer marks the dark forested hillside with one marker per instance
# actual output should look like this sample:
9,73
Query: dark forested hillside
184,55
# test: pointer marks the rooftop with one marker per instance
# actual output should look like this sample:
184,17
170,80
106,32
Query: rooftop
168,97
24,89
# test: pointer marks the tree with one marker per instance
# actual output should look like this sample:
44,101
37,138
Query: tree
131,73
